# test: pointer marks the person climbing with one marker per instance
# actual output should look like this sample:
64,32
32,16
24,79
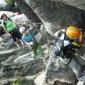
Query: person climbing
28,39
12,29
10,5
71,39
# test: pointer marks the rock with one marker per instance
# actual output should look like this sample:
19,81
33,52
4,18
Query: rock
38,37
81,83
9,14
30,77
29,82
5,82
62,83
33,67
43,33
2,3
8,61
56,15
81,78
30,65
1,73
21,81
1,39
9,51
27,11
24,59
57,71
40,79
79,4
74,65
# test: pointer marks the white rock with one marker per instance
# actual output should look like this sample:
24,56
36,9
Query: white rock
23,59
81,83
40,79
75,67
1,39
2,3
9,14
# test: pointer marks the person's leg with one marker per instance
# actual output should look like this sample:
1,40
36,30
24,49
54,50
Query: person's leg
18,36
34,50
37,50
40,50
13,35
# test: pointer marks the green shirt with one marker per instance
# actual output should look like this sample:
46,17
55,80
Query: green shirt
9,25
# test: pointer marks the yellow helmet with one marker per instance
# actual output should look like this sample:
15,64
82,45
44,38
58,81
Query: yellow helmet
73,32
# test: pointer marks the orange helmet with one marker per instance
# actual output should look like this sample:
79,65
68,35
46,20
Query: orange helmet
73,32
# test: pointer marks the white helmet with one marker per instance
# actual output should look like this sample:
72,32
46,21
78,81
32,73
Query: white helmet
22,29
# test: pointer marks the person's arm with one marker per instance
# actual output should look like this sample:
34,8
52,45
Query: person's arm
59,32
81,38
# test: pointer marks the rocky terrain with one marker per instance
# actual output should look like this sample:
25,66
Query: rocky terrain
51,15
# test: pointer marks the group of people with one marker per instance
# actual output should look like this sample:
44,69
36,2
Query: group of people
21,35
72,36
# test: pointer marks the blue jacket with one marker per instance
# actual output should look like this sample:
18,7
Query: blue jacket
27,38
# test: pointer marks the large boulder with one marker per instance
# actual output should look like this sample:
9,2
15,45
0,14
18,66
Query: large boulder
56,15
79,4
57,71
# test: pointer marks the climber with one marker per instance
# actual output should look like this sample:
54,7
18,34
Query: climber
28,39
12,30
71,40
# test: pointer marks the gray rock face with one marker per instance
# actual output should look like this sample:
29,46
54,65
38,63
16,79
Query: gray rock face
27,11
77,3
81,83
57,71
14,59
40,80
81,78
56,15
33,67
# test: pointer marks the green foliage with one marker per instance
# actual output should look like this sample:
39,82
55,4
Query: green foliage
37,50
16,82
10,2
